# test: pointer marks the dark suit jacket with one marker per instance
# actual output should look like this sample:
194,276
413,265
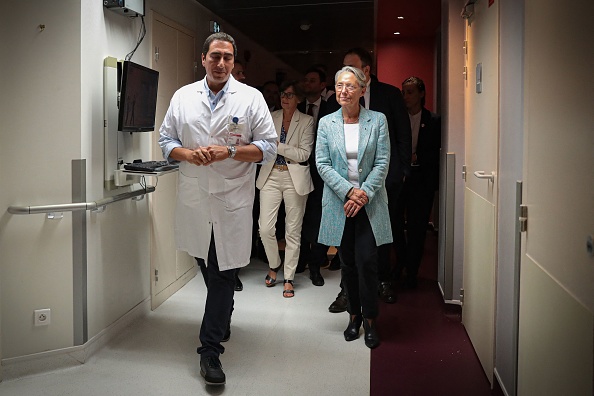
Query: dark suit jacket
318,183
428,146
388,99
302,107
313,208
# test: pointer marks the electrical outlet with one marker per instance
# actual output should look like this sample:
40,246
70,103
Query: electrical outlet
43,317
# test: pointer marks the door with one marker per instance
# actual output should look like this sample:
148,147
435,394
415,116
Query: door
173,57
480,203
556,324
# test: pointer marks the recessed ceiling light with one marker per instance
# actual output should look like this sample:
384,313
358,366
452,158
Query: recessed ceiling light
396,32
400,17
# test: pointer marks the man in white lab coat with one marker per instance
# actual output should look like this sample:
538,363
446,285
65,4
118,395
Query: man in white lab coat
217,129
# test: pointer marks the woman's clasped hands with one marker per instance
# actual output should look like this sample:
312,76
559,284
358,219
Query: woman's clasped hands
357,198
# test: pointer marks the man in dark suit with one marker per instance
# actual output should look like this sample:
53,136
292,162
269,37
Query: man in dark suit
416,200
271,95
313,254
386,99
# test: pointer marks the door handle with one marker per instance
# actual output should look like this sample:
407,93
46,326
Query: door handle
481,175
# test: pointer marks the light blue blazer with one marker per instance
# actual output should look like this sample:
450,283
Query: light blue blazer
373,157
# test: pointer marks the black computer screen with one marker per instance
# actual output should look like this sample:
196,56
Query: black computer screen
138,98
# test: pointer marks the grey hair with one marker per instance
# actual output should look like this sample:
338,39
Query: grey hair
359,75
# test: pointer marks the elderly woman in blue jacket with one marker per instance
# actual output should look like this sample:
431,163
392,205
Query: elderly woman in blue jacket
352,156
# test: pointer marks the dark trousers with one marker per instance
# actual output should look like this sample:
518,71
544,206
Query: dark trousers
220,287
358,256
313,253
413,211
384,252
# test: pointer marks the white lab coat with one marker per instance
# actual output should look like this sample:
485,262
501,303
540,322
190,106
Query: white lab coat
218,197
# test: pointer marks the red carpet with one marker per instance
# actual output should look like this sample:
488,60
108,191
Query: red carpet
425,349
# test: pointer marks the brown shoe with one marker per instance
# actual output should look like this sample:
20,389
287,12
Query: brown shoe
340,304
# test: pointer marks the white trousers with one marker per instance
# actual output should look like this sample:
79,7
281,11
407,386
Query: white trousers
279,187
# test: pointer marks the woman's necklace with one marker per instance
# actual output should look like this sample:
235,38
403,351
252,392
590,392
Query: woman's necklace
350,120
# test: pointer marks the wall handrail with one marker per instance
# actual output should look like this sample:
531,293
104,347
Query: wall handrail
72,207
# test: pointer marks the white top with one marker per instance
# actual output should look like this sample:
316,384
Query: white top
326,93
351,142
415,125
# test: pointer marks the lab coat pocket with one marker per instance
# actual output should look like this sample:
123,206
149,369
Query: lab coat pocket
239,192
189,192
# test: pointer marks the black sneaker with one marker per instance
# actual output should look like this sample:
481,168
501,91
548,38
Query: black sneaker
316,278
211,370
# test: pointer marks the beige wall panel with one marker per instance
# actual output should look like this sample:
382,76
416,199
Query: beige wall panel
556,338
479,277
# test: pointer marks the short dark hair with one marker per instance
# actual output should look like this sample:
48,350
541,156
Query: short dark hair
268,83
221,37
363,54
416,81
296,88
320,72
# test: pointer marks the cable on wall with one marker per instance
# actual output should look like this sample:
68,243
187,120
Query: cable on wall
141,35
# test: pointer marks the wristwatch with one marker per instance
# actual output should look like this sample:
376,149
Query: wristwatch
231,150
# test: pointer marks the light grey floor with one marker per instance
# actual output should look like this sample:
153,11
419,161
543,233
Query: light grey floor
278,346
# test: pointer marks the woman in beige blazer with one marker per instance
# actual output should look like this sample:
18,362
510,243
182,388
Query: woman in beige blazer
287,179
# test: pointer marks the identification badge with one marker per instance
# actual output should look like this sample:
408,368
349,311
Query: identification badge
234,132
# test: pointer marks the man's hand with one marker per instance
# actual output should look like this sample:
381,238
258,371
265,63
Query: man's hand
217,153
207,155
199,156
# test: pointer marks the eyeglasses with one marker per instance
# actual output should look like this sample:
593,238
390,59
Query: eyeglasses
348,87
288,95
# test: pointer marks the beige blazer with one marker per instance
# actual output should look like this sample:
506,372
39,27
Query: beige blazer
296,150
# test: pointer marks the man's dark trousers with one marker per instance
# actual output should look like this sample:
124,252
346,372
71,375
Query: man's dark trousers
220,287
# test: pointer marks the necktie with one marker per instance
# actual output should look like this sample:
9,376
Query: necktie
310,107
362,101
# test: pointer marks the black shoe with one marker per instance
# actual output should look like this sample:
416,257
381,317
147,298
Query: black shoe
288,293
211,370
371,337
386,293
301,266
238,284
352,331
269,280
316,278
340,304
334,263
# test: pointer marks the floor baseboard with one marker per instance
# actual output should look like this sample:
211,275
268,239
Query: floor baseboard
45,362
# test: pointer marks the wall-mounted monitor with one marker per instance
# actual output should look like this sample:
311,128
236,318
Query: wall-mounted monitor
137,102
